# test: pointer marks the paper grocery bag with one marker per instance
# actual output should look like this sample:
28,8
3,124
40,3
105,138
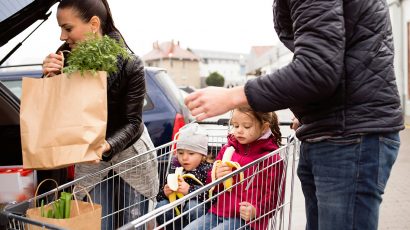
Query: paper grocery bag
86,217
63,119
83,215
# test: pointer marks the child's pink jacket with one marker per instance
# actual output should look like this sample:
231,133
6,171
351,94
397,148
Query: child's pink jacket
261,191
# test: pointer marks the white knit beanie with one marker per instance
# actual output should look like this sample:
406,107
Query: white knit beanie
193,137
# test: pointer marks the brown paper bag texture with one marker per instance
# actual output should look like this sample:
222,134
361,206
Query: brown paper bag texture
87,218
63,119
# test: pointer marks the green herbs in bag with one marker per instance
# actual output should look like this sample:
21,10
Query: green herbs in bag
96,54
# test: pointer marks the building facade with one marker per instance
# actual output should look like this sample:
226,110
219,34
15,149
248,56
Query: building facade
400,17
181,64
267,59
230,65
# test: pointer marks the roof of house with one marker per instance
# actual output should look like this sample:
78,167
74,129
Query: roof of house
209,54
260,50
168,50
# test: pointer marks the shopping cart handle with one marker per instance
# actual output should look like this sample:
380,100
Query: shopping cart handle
225,122
222,121
285,123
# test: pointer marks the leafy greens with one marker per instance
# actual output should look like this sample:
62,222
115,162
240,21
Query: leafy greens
96,54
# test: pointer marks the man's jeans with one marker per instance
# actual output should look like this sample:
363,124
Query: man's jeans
343,180
120,202
212,221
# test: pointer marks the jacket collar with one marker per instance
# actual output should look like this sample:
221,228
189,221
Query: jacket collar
266,143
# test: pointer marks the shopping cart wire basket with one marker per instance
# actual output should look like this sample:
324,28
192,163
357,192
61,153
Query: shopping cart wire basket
277,210
140,212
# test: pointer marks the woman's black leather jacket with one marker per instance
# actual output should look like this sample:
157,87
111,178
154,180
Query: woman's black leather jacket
125,96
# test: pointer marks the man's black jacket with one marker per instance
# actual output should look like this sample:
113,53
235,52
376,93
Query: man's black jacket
341,80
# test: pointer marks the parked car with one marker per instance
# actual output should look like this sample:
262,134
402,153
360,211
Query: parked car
163,113
187,89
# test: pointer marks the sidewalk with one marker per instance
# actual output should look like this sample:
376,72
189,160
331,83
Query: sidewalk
395,208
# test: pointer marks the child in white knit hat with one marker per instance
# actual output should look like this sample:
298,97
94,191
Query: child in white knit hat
191,155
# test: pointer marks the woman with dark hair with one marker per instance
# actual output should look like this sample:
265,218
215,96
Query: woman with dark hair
126,134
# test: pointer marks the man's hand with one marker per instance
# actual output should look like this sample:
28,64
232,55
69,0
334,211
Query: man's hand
295,123
213,101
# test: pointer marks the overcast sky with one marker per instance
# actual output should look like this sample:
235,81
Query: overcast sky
220,25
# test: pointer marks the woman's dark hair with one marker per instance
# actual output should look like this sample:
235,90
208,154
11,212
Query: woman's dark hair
86,9
262,117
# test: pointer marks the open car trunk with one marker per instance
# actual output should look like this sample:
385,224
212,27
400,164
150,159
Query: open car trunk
16,16
9,128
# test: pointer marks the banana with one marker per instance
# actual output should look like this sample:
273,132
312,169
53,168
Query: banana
172,181
226,159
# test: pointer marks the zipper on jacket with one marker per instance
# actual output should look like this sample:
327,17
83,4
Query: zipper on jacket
246,152
247,149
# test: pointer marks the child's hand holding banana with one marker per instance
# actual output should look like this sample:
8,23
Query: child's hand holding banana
222,170
183,187
178,186
167,190
224,167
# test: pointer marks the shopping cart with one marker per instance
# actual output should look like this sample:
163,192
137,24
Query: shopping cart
140,214
155,160
277,194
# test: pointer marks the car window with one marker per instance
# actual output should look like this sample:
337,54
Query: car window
183,93
148,105
12,79
169,86
12,6
13,86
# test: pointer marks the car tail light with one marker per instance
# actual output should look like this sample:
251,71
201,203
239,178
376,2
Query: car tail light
178,123
70,172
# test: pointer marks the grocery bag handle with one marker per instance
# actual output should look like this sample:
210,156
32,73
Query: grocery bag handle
62,54
86,193
38,186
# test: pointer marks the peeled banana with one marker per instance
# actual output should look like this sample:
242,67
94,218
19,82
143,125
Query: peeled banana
226,159
172,181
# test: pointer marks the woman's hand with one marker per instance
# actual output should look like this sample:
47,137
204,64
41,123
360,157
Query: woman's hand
247,211
104,147
183,187
222,170
53,64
